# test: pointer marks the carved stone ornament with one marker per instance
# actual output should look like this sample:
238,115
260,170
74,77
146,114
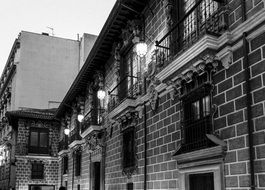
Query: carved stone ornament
227,60
94,141
168,5
132,31
175,91
153,94
209,63
117,62
156,64
128,119
98,79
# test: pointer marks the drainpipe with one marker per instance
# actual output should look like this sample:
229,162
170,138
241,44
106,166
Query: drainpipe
73,173
145,149
249,112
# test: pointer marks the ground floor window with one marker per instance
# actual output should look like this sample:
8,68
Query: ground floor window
201,181
201,178
41,187
37,171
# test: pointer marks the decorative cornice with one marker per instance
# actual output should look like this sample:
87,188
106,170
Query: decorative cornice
76,143
128,119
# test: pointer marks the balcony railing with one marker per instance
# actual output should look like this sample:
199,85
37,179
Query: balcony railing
127,88
205,17
93,117
63,144
75,134
194,134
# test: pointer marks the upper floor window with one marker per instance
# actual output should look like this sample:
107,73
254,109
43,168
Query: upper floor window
37,170
39,140
129,72
196,20
78,159
65,164
128,148
197,114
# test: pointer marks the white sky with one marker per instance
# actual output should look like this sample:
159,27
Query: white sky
67,17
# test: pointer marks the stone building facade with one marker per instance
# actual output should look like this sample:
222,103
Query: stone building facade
35,159
21,87
189,114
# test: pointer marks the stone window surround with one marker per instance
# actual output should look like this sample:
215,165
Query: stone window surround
215,168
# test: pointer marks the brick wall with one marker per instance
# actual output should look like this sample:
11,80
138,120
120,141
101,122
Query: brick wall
235,11
23,163
23,173
83,179
231,118
230,122
23,135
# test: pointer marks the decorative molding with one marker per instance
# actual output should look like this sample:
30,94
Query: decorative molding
226,57
117,61
76,143
168,6
126,104
201,157
128,119
94,141
207,64
91,129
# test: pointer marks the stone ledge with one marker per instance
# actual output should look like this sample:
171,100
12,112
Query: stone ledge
90,129
200,157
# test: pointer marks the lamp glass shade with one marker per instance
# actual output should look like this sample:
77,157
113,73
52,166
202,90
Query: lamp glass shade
101,94
141,49
80,117
66,131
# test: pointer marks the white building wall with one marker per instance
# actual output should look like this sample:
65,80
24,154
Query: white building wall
46,69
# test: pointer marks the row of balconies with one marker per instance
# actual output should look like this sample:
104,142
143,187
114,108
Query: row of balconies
92,121
208,18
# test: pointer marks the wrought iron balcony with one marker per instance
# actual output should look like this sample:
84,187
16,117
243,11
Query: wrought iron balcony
63,144
75,134
127,88
93,117
201,18
194,134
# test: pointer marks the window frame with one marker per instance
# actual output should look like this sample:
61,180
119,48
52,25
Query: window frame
216,169
38,149
65,165
129,158
196,92
78,162
35,171
128,81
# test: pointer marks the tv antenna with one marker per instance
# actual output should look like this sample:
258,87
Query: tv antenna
52,29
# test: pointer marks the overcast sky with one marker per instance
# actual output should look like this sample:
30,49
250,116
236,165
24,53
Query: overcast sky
67,17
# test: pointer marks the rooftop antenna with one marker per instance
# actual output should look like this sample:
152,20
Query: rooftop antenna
52,29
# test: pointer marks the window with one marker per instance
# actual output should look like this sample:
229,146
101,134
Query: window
78,158
197,114
129,71
198,16
65,164
201,181
39,141
41,187
37,171
129,148
208,177
129,186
